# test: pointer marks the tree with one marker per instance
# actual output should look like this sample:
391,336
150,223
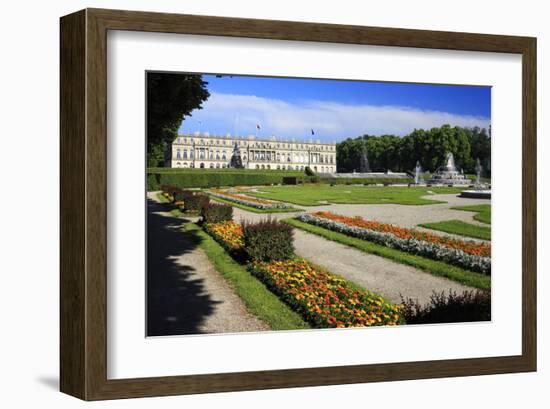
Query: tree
429,147
480,144
170,97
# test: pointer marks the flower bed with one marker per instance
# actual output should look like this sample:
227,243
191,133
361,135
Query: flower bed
470,247
229,234
250,201
325,300
468,254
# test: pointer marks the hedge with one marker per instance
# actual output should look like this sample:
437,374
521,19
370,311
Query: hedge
207,179
152,183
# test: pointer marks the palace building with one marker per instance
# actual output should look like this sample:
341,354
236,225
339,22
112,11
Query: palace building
214,152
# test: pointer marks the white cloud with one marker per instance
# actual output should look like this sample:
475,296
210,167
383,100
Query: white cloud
330,120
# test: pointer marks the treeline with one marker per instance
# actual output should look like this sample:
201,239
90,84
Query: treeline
399,154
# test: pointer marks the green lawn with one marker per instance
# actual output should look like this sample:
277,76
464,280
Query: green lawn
257,298
461,228
483,212
314,195
161,198
438,268
253,209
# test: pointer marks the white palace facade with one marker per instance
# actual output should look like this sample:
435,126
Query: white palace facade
202,150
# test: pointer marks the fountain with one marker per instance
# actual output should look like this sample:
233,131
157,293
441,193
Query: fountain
364,160
478,173
447,174
418,179
480,191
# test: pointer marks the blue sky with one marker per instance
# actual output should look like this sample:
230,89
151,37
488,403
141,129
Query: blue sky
334,109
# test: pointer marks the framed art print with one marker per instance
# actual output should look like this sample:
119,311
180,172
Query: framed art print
253,204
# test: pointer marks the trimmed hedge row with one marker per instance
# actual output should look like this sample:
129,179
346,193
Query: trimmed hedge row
226,170
216,179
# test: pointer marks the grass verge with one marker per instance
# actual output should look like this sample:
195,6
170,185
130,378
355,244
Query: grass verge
438,268
460,228
161,198
253,209
257,298
483,212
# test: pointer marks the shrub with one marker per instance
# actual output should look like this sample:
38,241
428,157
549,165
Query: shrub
468,306
182,195
290,180
268,240
309,172
216,213
171,190
195,202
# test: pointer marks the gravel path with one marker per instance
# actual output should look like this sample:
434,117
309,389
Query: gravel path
381,275
185,293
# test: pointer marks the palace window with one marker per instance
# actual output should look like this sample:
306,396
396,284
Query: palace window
201,165
211,166
224,157
178,154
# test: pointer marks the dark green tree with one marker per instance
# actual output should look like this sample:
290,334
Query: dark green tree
480,144
170,97
391,152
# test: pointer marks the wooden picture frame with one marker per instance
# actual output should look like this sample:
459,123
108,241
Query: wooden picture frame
84,203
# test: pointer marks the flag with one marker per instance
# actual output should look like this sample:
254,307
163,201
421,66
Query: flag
258,126
313,133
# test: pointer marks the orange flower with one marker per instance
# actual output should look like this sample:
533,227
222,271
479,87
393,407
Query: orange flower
470,247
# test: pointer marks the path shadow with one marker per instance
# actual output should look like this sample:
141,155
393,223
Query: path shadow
177,303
